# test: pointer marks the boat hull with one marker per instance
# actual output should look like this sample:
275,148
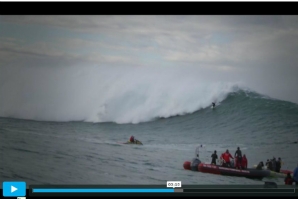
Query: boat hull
219,170
186,165
281,174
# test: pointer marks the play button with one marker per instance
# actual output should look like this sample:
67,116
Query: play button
13,189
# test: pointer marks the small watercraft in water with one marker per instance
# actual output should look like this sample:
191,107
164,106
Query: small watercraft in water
220,170
135,142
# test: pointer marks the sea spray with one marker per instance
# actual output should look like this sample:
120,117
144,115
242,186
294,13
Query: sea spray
106,94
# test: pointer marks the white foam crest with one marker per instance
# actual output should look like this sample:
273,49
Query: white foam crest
99,94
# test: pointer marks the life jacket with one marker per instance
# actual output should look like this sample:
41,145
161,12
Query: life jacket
244,162
226,157
132,139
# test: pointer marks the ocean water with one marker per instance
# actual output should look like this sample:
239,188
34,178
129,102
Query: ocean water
91,151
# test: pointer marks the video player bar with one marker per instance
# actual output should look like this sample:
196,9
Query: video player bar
160,190
172,188
166,190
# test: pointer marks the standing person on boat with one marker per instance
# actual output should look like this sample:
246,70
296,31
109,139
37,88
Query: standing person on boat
238,155
226,157
273,164
278,165
267,163
214,157
195,161
244,162
295,175
288,179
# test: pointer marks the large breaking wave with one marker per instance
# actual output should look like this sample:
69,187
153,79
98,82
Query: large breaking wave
98,94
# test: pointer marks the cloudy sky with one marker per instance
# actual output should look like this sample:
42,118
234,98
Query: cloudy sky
259,51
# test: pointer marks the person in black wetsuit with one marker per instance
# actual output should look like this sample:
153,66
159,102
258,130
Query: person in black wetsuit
213,104
278,165
273,164
238,155
214,157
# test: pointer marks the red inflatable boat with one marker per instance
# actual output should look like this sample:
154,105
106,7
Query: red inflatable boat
215,169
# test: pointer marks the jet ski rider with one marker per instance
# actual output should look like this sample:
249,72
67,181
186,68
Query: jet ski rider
132,139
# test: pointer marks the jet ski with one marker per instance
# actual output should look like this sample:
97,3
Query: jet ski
135,142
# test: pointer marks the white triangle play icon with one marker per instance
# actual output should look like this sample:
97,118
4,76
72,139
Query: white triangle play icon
13,189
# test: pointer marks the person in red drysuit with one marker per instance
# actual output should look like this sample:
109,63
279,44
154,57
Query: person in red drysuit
226,158
244,162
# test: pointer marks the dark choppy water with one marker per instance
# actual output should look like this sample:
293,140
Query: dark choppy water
91,153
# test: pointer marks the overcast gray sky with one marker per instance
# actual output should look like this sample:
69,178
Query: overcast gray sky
258,51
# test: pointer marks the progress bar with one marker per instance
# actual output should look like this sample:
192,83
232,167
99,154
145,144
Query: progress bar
239,190
160,190
36,190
